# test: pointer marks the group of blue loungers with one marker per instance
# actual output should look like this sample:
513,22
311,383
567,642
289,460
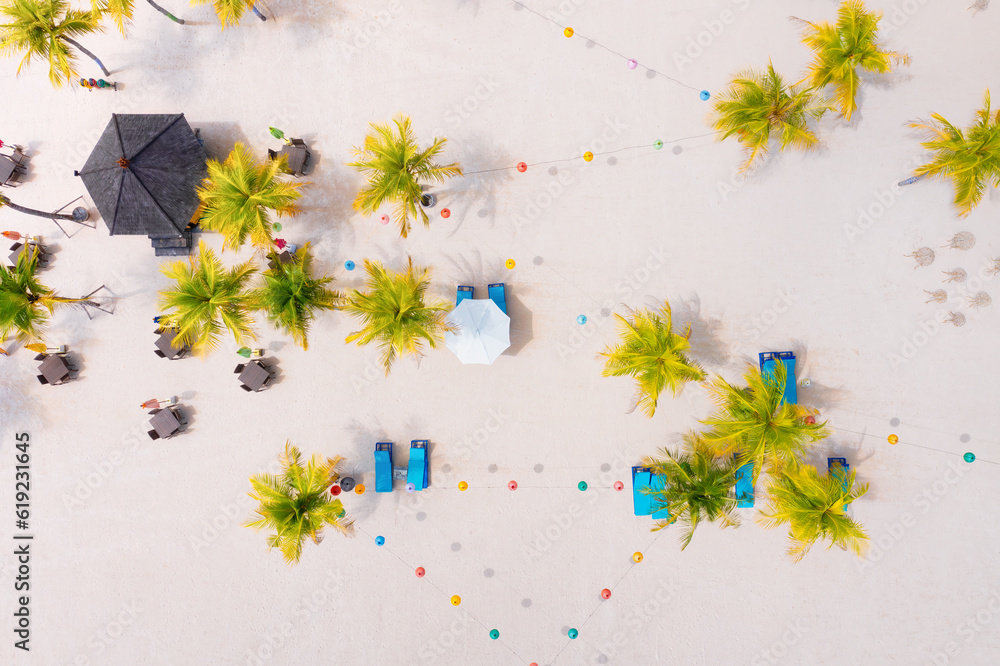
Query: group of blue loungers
497,294
642,477
417,472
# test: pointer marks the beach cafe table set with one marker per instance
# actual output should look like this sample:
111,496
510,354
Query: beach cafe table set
254,376
167,346
53,369
166,423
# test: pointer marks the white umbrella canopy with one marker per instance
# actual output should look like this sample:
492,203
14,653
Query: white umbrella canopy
483,331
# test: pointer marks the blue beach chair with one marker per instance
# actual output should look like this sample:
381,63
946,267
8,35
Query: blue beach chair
660,512
463,293
838,467
644,504
499,296
744,485
419,464
383,467
767,361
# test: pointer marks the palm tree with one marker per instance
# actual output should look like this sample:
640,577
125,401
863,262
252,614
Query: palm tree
395,313
80,214
653,354
290,293
813,507
231,11
758,105
697,486
395,166
295,504
25,303
756,425
971,159
45,30
237,195
842,49
205,298
121,12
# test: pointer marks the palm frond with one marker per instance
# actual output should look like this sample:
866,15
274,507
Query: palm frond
238,195
813,508
754,423
970,158
295,505
653,354
395,313
698,486
205,298
758,106
290,294
394,166
842,49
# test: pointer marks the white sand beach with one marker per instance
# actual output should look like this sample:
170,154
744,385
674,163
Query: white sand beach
139,554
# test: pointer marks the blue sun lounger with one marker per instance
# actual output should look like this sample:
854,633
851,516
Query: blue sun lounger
767,361
499,296
419,464
383,467
644,504
463,293
838,467
744,485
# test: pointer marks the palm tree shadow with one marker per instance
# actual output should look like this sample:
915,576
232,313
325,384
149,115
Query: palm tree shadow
220,138
855,452
326,204
821,397
485,176
473,5
706,342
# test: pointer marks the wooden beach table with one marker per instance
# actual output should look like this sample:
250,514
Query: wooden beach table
165,423
254,375
165,343
54,369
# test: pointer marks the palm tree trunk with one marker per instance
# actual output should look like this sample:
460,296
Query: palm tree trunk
165,12
254,9
87,53
4,201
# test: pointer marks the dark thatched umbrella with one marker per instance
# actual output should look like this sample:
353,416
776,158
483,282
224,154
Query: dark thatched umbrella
144,173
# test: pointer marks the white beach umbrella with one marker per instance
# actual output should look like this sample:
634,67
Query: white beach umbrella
483,331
